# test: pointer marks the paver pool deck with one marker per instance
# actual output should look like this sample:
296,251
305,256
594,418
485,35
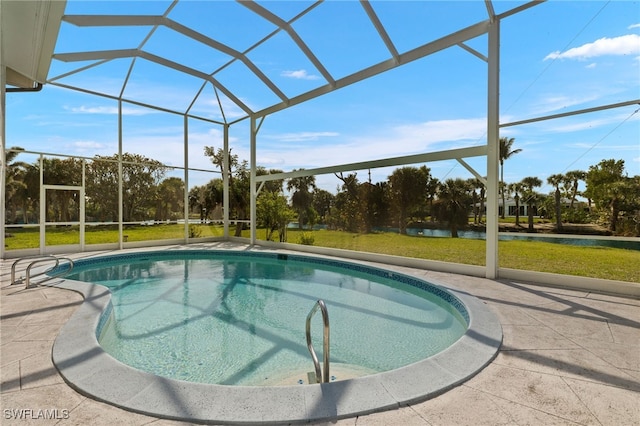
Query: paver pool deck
567,357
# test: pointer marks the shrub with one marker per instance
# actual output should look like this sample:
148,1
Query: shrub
575,216
195,231
306,238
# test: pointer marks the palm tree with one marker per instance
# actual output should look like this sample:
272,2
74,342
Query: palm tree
432,189
239,182
572,179
531,196
516,189
556,180
477,198
408,192
505,153
455,201
15,184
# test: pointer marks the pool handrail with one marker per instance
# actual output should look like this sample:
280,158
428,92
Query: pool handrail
39,259
321,376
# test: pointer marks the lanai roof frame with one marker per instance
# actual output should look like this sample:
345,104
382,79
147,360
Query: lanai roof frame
489,24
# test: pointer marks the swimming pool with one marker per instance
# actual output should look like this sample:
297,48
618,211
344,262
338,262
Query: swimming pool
281,283
239,318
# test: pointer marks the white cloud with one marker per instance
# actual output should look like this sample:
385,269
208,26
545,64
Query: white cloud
623,45
110,110
431,132
557,102
299,74
88,145
302,136
630,27
591,65
390,142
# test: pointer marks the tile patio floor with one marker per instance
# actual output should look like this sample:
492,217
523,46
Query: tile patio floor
568,358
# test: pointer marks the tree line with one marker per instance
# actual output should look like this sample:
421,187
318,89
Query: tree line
146,195
409,197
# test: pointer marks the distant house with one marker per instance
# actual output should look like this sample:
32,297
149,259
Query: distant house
511,208
524,208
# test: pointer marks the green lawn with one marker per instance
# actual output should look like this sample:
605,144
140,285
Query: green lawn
607,263
596,262
29,237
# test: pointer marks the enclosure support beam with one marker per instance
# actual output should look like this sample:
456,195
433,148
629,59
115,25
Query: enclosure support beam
120,186
253,194
43,206
474,151
472,171
83,204
185,193
3,151
493,151
225,181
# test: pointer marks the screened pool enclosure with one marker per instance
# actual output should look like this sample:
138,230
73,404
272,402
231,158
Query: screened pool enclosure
192,96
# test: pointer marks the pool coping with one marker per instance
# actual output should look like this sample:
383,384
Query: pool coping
87,368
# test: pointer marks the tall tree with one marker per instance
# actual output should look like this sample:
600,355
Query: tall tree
62,205
572,180
516,189
378,205
432,190
347,211
531,196
170,199
239,183
272,211
275,185
607,187
454,203
15,185
203,199
477,196
274,214
408,192
506,152
302,198
556,180
323,201
140,179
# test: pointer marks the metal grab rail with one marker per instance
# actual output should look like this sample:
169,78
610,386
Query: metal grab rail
14,264
39,259
321,376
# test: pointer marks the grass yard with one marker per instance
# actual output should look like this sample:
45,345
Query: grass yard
596,262
22,238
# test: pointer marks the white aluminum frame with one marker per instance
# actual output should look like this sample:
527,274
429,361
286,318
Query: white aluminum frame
490,26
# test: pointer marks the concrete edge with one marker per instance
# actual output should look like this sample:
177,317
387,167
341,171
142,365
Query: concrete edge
87,368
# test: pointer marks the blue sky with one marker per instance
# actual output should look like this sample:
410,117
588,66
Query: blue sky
556,57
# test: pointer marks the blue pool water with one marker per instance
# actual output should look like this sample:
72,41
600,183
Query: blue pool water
239,318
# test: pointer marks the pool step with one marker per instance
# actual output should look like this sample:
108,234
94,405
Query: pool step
339,371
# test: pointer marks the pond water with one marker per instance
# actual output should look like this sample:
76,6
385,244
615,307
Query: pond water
576,240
